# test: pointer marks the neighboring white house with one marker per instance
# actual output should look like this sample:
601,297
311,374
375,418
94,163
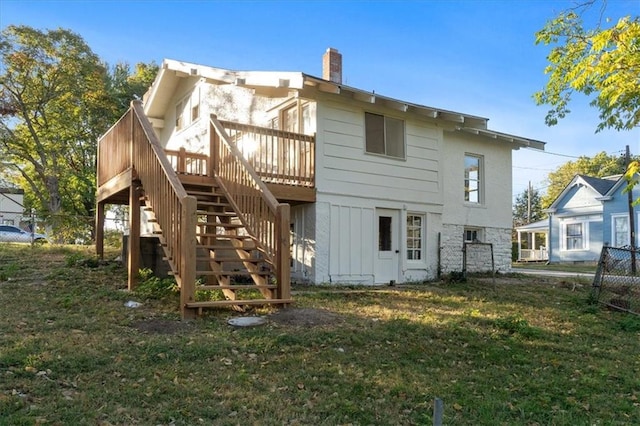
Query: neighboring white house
11,206
399,187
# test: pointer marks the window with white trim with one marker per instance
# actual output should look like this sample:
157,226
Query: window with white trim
296,117
472,235
415,235
473,178
188,109
619,230
574,236
384,135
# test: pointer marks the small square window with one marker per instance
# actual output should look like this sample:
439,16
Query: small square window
384,135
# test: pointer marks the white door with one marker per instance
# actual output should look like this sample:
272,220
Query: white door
387,245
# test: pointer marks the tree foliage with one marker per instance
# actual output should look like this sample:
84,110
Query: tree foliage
602,63
56,99
521,213
600,165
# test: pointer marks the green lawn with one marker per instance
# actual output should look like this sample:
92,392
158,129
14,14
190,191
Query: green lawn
564,267
522,351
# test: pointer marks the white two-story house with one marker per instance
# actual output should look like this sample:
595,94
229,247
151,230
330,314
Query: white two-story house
380,190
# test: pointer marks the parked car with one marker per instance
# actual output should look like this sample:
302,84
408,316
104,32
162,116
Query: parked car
13,234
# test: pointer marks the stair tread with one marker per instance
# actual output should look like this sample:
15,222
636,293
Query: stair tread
209,213
212,203
213,303
236,287
207,193
233,273
231,259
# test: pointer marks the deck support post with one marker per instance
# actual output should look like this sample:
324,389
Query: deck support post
187,266
283,265
100,230
134,235
214,143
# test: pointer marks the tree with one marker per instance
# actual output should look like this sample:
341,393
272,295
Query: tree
528,208
56,99
600,165
602,63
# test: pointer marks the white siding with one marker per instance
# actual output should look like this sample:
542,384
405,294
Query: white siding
344,168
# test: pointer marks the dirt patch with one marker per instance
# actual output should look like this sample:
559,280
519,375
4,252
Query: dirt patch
162,326
304,317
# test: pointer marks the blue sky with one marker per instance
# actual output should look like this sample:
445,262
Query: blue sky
475,57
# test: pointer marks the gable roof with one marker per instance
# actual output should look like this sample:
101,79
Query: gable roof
157,99
600,185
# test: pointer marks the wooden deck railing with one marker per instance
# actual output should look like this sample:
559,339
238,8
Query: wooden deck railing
174,209
277,156
190,163
261,214
114,150
132,143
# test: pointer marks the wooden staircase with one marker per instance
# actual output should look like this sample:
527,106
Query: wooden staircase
229,260
224,234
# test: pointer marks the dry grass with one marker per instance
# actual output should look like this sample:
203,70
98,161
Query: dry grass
525,351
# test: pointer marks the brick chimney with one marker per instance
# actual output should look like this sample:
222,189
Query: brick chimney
332,65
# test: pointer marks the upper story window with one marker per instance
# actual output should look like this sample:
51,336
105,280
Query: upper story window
473,178
188,109
384,135
296,118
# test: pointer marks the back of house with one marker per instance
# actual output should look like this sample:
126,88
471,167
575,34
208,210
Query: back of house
381,190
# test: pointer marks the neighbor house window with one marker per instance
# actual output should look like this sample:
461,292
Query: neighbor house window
384,135
472,235
415,232
619,230
574,236
472,178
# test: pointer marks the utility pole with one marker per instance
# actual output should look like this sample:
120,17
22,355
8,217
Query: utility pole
632,222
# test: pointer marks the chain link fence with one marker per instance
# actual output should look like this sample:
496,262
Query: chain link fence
616,283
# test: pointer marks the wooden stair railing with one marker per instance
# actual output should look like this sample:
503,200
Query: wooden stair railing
174,209
262,215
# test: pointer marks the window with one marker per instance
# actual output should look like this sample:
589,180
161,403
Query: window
179,113
384,233
188,109
384,135
195,104
619,230
472,235
414,236
296,118
574,237
472,178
